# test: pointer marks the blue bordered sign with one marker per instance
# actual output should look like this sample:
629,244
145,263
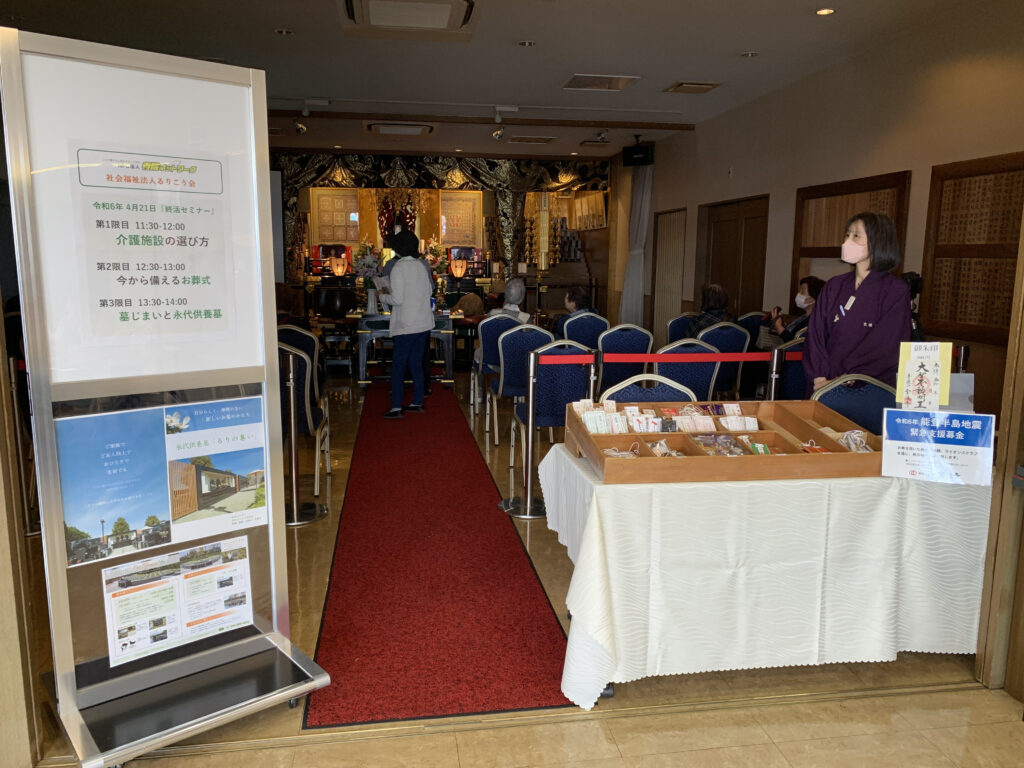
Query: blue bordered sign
941,446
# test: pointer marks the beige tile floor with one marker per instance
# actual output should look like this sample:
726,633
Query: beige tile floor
921,710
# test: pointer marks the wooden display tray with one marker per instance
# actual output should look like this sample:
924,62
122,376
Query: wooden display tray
783,425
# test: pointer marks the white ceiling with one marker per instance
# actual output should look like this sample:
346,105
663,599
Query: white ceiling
659,41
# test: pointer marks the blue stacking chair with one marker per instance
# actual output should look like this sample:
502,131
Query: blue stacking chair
861,399
294,336
679,327
793,384
661,390
699,377
310,415
726,337
751,323
585,329
514,348
488,331
622,339
556,386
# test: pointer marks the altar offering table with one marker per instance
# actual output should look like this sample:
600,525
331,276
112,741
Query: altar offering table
675,578
372,327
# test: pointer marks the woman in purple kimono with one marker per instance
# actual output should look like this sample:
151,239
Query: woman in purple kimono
861,317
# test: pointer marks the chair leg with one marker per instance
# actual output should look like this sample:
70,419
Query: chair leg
524,437
487,412
551,435
472,394
512,444
316,447
327,438
495,411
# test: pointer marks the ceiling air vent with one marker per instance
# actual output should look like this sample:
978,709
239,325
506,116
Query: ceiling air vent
531,139
599,82
694,88
419,16
400,129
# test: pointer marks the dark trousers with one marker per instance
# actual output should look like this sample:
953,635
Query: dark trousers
407,357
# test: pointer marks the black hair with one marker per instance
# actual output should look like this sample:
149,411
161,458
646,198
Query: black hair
914,283
405,243
713,297
814,285
578,296
883,240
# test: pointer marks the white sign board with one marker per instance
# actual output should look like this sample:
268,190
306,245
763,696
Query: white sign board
150,261
940,446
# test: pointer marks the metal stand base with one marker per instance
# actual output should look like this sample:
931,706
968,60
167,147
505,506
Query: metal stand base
608,692
513,507
309,512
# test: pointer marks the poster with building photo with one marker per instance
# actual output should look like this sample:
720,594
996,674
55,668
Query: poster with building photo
158,603
216,467
138,479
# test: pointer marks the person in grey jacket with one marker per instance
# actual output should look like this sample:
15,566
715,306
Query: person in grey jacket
411,322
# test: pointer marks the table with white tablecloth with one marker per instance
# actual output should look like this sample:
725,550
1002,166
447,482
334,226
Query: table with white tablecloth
675,578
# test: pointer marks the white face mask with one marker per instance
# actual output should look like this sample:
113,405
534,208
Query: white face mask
852,252
802,300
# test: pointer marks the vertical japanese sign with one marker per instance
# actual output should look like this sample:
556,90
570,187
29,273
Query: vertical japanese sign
941,446
923,374
153,236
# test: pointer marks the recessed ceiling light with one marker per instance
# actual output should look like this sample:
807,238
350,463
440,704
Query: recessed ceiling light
825,11
527,43
574,153
750,54
337,146
284,31
458,150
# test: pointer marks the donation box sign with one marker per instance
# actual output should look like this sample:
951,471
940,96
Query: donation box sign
941,446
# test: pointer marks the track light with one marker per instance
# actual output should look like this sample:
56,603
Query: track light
300,128
498,134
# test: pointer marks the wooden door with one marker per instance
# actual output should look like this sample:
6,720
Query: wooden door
667,271
733,241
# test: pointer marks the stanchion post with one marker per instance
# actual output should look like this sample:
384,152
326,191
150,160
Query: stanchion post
528,508
593,377
775,372
299,514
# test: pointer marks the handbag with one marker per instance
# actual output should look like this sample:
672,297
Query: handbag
767,338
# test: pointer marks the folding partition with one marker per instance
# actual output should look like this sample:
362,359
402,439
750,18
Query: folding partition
140,195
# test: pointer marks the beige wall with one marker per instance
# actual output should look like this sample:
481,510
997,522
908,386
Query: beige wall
953,89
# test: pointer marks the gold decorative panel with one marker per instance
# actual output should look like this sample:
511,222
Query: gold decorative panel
825,218
972,291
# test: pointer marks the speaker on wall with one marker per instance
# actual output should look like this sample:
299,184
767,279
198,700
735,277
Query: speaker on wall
638,154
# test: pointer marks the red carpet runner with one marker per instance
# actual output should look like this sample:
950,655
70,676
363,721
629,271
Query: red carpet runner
433,607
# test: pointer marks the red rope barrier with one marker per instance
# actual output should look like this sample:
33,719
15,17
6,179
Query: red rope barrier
565,359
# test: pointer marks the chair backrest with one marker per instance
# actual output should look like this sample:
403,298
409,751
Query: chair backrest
585,328
623,339
514,348
308,414
679,327
793,384
559,385
661,390
305,340
699,377
802,333
726,337
861,399
751,323
488,331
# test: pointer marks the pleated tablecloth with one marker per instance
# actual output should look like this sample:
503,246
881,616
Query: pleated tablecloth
675,578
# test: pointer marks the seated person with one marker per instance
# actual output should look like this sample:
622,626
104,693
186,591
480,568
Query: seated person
810,287
576,303
515,294
713,309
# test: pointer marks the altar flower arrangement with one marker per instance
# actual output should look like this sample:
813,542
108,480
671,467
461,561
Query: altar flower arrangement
437,258
367,262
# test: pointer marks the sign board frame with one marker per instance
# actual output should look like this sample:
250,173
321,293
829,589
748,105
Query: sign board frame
105,705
